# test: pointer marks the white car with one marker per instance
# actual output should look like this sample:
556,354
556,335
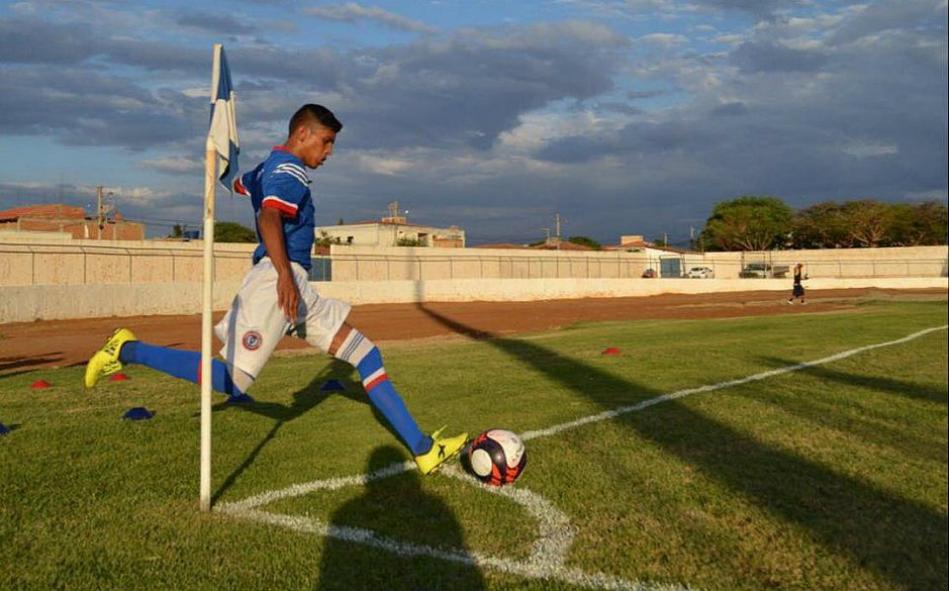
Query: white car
701,273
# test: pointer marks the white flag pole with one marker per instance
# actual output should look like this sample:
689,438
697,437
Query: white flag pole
207,298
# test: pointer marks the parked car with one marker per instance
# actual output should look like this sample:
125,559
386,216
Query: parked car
763,270
701,273
649,274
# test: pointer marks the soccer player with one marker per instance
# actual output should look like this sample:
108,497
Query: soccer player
276,297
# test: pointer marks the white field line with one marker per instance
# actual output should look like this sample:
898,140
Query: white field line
555,533
610,414
297,490
526,569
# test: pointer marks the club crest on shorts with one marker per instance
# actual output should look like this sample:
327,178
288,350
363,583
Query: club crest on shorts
252,340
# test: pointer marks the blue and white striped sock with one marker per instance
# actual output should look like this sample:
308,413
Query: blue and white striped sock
360,352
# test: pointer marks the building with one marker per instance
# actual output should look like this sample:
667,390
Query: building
391,231
69,220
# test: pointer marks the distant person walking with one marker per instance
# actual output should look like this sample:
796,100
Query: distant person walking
798,291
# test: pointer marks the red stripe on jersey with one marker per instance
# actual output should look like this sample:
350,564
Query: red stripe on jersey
240,189
285,208
379,380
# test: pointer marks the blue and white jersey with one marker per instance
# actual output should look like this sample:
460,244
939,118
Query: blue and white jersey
281,182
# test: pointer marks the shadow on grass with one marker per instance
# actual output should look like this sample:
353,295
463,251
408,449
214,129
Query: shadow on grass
392,504
14,366
873,427
900,539
886,385
304,401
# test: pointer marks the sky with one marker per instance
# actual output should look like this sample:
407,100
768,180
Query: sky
621,116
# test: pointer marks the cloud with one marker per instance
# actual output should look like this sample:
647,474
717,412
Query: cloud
775,57
664,39
498,127
214,22
174,164
757,8
352,12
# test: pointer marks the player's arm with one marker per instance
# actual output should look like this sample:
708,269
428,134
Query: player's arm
272,234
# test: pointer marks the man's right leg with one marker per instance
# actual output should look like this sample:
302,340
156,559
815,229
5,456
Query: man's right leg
123,348
250,332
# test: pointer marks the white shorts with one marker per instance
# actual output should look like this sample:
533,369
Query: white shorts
255,323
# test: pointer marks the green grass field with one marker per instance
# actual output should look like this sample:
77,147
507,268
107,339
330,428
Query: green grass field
831,477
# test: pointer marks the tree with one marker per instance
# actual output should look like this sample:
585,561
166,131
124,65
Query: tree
177,231
326,240
913,225
748,223
585,241
867,221
233,232
930,222
822,225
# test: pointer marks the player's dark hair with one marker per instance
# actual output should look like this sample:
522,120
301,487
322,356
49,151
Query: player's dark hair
311,113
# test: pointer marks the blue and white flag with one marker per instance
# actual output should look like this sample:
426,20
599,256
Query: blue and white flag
223,132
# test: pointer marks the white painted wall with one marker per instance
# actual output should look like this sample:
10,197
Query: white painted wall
49,302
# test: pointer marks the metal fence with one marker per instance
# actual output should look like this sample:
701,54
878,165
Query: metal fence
389,267
384,267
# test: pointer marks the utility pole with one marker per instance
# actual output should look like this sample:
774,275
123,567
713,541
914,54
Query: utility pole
557,229
99,215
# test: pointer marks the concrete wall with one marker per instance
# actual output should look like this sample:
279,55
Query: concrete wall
86,278
355,263
91,262
23,262
48,302
911,261
469,290
55,302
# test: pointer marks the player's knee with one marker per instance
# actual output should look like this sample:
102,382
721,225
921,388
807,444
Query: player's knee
240,379
355,346
339,339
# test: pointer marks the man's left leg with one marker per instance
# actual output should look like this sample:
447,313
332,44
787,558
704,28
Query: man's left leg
351,346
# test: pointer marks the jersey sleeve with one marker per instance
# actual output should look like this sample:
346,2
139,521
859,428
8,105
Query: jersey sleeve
284,188
241,182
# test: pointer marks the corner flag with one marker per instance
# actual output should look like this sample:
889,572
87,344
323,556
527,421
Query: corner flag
223,130
221,152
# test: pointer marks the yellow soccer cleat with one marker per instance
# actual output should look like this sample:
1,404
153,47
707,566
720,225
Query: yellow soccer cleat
106,360
443,448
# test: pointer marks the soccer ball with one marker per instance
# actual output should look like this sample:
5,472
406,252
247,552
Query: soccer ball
497,457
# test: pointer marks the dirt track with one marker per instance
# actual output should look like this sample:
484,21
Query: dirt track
60,343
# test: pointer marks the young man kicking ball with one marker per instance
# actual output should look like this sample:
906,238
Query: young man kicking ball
276,297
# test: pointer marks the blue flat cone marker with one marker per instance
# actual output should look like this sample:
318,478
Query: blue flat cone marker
139,413
332,386
4,429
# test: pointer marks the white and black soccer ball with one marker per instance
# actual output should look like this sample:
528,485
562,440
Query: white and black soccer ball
497,457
